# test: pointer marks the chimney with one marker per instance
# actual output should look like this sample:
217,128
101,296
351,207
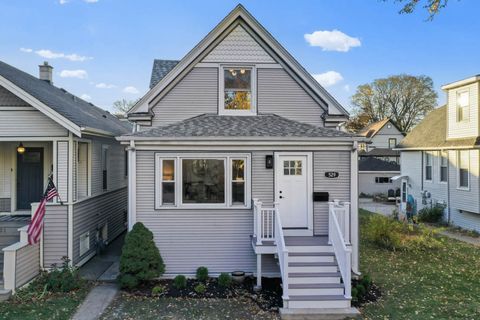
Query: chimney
45,72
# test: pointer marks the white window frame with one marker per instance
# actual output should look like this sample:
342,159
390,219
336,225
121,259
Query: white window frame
426,156
443,155
389,146
178,157
105,164
221,93
458,171
84,247
89,168
467,107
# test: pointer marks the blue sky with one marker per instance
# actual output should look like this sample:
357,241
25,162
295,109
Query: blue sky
103,49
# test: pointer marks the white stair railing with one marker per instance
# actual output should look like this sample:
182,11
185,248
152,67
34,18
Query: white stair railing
264,222
282,251
339,237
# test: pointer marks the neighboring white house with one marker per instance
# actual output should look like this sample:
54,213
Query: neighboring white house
45,130
237,162
440,157
378,161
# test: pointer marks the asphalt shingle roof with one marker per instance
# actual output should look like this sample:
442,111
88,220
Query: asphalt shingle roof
262,125
160,69
78,111
373,128
432,133
374,164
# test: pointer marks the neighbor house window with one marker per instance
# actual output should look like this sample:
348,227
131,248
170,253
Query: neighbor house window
238,90
362,146
392,142
428,166
211,180
443,166
463,168
383,180
104,167
463,106
84,243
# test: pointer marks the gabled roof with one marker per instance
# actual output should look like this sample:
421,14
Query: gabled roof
371,130
237,15
431,133
374,164
67,109
160,69
221,126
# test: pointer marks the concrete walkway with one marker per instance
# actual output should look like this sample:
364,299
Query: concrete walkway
96,302
461,237
383,208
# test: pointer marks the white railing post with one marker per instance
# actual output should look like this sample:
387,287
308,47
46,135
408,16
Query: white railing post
330,212
346,230
348,275
258,221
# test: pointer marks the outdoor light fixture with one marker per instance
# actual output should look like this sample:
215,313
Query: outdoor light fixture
21,148
269,161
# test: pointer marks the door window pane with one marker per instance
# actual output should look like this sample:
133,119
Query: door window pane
292,167
203,181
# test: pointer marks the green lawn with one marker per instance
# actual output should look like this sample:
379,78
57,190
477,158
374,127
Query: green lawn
441,284
130,307
59,306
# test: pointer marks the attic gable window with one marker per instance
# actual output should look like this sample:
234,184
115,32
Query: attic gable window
237,84
463,106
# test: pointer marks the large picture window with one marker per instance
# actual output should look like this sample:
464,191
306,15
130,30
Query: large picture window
209,180
238,86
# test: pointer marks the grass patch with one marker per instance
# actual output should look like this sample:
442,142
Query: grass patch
28,305
128,306
434,284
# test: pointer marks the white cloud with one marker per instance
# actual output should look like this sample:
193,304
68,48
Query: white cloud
328,78
49,54
79,74
63,1
91,1
103,85
85,97
334,40
28,50
131,90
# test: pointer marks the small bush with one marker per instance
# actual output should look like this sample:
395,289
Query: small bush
431,215
224,280
63,279
180,282
140,260
158,290
200,288
202,274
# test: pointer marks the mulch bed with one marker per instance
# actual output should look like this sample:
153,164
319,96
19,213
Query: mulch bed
371,295
268,299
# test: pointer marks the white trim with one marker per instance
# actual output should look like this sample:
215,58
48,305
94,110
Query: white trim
84,247
132,185
354,238
40,106
178,157
221,90
440,157
309,175
426,155
331,140
70,198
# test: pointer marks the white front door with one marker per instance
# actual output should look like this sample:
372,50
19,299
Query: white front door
293,180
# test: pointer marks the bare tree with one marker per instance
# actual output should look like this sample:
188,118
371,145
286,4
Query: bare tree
432,6
123,105
404,99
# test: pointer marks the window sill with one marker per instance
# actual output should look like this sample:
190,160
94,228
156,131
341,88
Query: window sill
237,112
463,188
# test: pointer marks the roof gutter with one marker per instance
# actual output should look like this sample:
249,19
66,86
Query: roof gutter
235,139
436,148
96,132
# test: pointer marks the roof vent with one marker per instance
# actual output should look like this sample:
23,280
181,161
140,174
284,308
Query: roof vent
45,72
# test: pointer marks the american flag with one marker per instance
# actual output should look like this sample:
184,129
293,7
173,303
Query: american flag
36,225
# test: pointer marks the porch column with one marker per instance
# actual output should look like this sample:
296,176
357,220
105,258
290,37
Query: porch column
354,207
259,273
132,185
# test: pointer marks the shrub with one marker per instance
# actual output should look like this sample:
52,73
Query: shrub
432,215
200,288
383,232
158,290
63,279
180,282
140,260
224,280
202,274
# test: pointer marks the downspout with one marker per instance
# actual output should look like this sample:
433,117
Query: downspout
354,207
448,187
70,199
132,185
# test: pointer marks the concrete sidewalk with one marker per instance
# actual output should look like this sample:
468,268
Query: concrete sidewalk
383,208
96,302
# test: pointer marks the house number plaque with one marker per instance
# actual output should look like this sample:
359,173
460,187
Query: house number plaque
331,174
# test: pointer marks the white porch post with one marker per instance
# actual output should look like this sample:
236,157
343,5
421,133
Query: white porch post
259,272
354,208
70,197
132,185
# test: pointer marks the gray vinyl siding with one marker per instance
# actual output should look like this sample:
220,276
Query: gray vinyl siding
195,94
437,189
466,220
380,140
238,47
55,234
115,168
338,188
367,184
28,264
92,214
468,128
9,235
28,123
262,179
467,200
218,239
62,169
280,94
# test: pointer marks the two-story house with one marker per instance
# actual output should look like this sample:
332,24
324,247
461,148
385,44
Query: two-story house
236,163
378,160
440,157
